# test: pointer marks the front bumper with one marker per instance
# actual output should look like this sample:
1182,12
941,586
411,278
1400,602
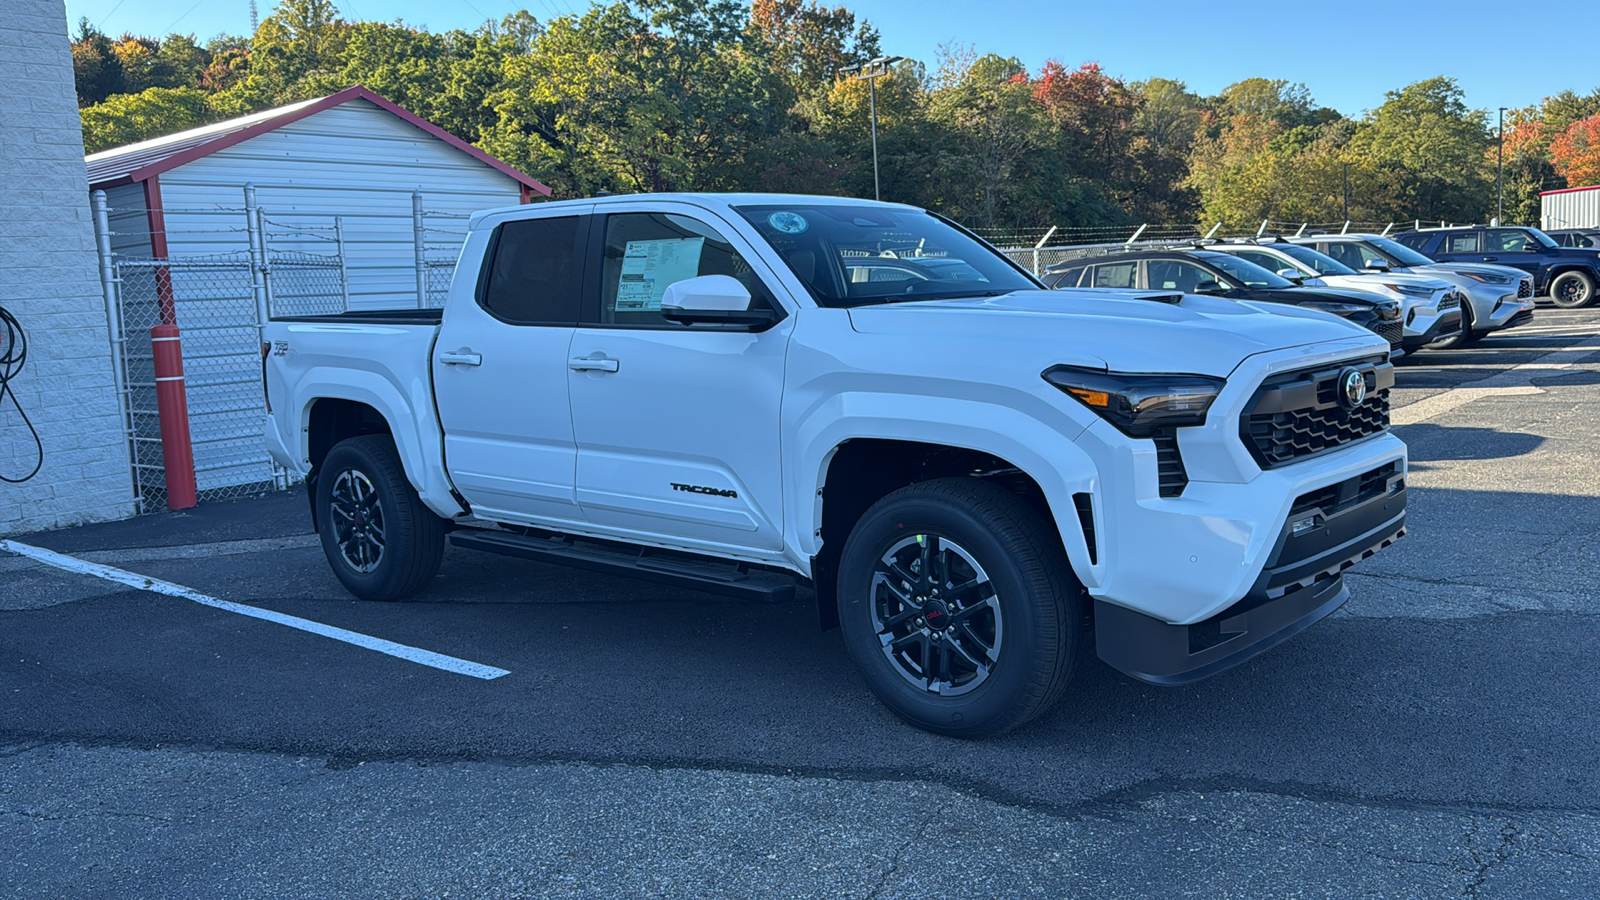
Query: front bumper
1302,583
1510,313
1447,324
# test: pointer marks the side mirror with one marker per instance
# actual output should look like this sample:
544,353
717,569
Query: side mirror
1376,265
1291,274
1209,287
712,300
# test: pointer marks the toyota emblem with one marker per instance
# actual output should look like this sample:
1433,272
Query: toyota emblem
1352,388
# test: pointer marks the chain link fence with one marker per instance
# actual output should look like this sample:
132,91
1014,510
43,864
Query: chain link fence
1037,249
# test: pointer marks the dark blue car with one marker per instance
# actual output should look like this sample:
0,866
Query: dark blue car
1567,275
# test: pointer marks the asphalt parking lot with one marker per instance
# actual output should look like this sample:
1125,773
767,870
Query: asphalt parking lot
1436,737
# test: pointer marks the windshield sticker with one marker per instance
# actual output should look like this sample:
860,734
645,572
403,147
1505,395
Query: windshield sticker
648,267
788,222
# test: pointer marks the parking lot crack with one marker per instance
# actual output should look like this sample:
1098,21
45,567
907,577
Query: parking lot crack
76,817
916,835
1487,860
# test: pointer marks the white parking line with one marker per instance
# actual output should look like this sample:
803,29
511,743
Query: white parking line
146,583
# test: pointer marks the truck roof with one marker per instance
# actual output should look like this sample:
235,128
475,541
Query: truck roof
703,199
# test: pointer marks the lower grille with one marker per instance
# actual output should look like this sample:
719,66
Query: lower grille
1525,289
1336,498
1393,332
1298,414
1169,463
1451,300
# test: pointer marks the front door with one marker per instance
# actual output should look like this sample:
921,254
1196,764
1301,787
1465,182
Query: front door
676,426
500,374
1513,247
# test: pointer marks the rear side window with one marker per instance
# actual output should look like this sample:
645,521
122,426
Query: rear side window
1418,242
1466,242
1065,278
534,274
1116,275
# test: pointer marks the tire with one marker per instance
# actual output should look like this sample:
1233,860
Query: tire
1466,336
381,541
1010,641
1570,290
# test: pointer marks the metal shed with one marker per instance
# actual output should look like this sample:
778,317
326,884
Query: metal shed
342,202
1570,208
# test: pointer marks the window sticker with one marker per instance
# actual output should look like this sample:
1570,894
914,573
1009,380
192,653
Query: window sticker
648,267
788,222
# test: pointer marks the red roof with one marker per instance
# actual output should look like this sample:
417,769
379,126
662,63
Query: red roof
1592,187
138,162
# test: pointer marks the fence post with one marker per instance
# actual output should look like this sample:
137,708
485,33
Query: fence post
344,271
1213,230
264,304
1042,242
420,248
1136,234
1386,229
172,404
258,257
1263,229
108,285
1302,229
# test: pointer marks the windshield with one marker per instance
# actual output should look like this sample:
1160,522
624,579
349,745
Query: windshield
1542,238
1398,252
1249,273
850,255
1321,262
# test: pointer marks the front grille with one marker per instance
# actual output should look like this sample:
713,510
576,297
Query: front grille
1169,463
1451,300
1393,332
1525,289
1298,414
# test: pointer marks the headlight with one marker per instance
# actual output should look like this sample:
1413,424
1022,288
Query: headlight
1338,309
1410,290
1138,404
1490,279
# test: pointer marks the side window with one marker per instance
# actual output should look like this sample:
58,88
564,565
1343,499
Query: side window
1464,242
1347,252
1418,241
647,252
1116,275
1507,240
1175,275
1264,260
1066,278
533,278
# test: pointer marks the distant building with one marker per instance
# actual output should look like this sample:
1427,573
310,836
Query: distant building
49,281
1570,208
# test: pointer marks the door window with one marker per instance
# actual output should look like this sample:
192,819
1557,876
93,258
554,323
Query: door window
1116,275
534,272
1176,275
1347,252
645,253
1264,260
1465,242
1508,240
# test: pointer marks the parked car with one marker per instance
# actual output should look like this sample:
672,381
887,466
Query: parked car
1430,307
1209,271
1566,274
1582,238
981,479
1498,297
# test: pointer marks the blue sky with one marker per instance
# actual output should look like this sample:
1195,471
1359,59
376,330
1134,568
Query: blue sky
1349,54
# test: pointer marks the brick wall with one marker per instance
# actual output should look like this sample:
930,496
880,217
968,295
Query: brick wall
50,281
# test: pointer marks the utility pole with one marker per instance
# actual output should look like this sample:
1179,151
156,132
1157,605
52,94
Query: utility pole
1347,192
869,72
1499,168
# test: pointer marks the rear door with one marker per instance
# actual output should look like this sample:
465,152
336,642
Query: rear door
676,426
500,373
1458,246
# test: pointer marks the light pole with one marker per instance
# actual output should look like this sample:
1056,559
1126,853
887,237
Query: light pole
1347,192
1499,168
870,71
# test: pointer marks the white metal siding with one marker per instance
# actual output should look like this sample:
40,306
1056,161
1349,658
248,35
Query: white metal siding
1571,209
129,221
354,160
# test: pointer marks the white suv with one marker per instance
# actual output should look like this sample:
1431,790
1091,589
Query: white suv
1432,306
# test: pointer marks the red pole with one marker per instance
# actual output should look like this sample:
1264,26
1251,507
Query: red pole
172,402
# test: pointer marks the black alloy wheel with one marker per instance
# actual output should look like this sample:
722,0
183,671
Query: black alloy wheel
936,614
1571,290
381,540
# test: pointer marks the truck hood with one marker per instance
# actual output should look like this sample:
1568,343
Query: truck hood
1124,330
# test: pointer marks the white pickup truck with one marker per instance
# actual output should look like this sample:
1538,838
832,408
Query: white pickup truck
980,479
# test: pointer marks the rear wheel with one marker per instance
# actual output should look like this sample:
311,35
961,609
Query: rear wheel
958,605
1570,290
381,541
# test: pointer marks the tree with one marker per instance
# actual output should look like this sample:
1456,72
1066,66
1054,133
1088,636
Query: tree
1576,152
128,118
1426,133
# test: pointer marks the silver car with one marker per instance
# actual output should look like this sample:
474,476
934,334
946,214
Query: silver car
1498,297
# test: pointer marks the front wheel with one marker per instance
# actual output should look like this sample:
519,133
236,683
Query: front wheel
958,605
382,542
1570,290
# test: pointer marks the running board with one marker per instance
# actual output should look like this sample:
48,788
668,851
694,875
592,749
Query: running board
727,579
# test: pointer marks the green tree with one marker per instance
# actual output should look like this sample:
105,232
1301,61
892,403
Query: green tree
1426,134
128,118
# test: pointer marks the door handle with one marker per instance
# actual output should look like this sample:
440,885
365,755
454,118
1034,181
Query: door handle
604,364
1491,259
461,358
